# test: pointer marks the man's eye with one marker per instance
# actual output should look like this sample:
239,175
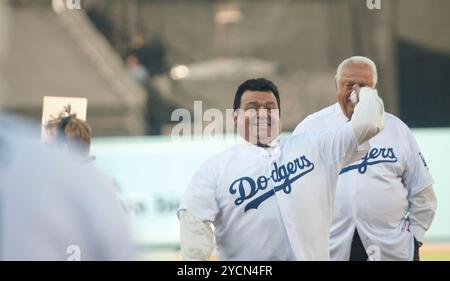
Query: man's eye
250,107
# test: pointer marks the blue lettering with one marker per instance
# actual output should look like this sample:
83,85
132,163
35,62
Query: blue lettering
287,174
373,157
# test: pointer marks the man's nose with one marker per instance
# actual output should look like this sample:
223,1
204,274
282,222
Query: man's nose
262,112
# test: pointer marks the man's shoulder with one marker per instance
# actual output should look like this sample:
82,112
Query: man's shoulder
319,120
326,112
395,130
222,156
393,121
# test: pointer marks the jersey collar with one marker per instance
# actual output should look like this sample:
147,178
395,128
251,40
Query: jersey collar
339,113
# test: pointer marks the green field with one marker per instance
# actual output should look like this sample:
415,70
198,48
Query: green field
436,251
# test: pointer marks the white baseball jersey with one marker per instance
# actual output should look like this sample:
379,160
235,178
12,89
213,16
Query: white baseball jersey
273,205
372,193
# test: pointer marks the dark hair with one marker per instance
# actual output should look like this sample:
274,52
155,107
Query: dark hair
62,126
257,84
76,133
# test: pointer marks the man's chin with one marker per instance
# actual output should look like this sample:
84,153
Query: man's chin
349,109
265,140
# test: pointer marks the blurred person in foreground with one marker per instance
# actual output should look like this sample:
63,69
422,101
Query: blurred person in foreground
73,135
385,201
53,207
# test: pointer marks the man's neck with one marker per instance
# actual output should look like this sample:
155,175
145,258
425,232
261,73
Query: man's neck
272,144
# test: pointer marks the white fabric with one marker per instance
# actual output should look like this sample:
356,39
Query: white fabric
374,193
196,237
52,207
422,207
277,204
293,224
367,119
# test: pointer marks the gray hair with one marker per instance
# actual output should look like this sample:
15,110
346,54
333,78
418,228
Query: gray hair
358,60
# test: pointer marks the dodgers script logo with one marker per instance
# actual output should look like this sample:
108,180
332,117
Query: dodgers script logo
285,174
373,157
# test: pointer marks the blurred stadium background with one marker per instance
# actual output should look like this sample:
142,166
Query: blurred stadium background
138,60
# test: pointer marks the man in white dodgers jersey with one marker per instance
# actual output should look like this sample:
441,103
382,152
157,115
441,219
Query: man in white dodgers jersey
271,198
384,201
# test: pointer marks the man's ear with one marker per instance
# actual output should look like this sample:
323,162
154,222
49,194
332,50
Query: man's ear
235,118
335,84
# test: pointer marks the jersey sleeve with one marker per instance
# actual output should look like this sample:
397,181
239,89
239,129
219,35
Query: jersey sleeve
416,175
200,196
338,146
301,127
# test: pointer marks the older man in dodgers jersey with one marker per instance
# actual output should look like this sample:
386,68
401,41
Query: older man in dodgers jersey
385,201
271,198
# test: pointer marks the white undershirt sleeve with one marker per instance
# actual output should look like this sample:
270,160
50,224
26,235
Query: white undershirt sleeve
422,207
196,237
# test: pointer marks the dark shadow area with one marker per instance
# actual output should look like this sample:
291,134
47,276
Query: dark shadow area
424,88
